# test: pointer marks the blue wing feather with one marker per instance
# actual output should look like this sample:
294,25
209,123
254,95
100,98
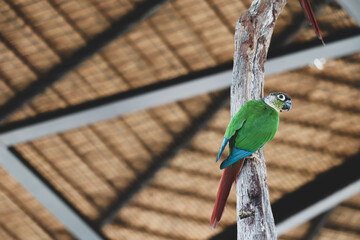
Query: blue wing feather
235,156
223,145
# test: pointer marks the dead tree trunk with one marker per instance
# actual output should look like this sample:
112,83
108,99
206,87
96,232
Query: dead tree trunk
252,38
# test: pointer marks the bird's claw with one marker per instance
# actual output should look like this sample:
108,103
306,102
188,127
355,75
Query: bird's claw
254,156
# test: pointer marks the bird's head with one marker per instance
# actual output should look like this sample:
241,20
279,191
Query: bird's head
279,101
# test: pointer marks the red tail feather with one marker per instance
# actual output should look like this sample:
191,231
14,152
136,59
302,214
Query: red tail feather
227,179
309,14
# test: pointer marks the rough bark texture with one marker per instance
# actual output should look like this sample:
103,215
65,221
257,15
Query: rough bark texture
252,38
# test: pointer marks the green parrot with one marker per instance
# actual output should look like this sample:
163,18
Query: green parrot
252,126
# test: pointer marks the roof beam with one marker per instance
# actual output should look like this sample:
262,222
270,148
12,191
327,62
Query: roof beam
303,58
352,7
116,30
47,195
164,92
325,192
317,224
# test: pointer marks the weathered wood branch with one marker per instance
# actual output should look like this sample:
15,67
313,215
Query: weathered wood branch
252,38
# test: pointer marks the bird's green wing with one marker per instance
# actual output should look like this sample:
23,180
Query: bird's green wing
260,127
235,125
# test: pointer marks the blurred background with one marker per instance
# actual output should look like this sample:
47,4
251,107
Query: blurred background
113,112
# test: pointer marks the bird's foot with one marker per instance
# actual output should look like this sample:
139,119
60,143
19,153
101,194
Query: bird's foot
254,156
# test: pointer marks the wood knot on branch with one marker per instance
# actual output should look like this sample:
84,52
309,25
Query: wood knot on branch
246,213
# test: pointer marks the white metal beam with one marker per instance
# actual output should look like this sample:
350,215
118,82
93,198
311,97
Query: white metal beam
305,57
321,206
46,196
173,93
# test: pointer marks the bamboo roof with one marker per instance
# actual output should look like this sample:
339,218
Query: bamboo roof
91,166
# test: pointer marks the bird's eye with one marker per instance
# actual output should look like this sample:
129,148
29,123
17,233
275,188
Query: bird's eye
281,97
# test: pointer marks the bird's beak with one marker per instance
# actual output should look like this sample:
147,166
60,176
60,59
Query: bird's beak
287,106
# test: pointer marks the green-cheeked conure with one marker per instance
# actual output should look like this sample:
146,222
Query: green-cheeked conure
252,126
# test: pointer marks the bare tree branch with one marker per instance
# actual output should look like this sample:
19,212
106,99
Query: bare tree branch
252,38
